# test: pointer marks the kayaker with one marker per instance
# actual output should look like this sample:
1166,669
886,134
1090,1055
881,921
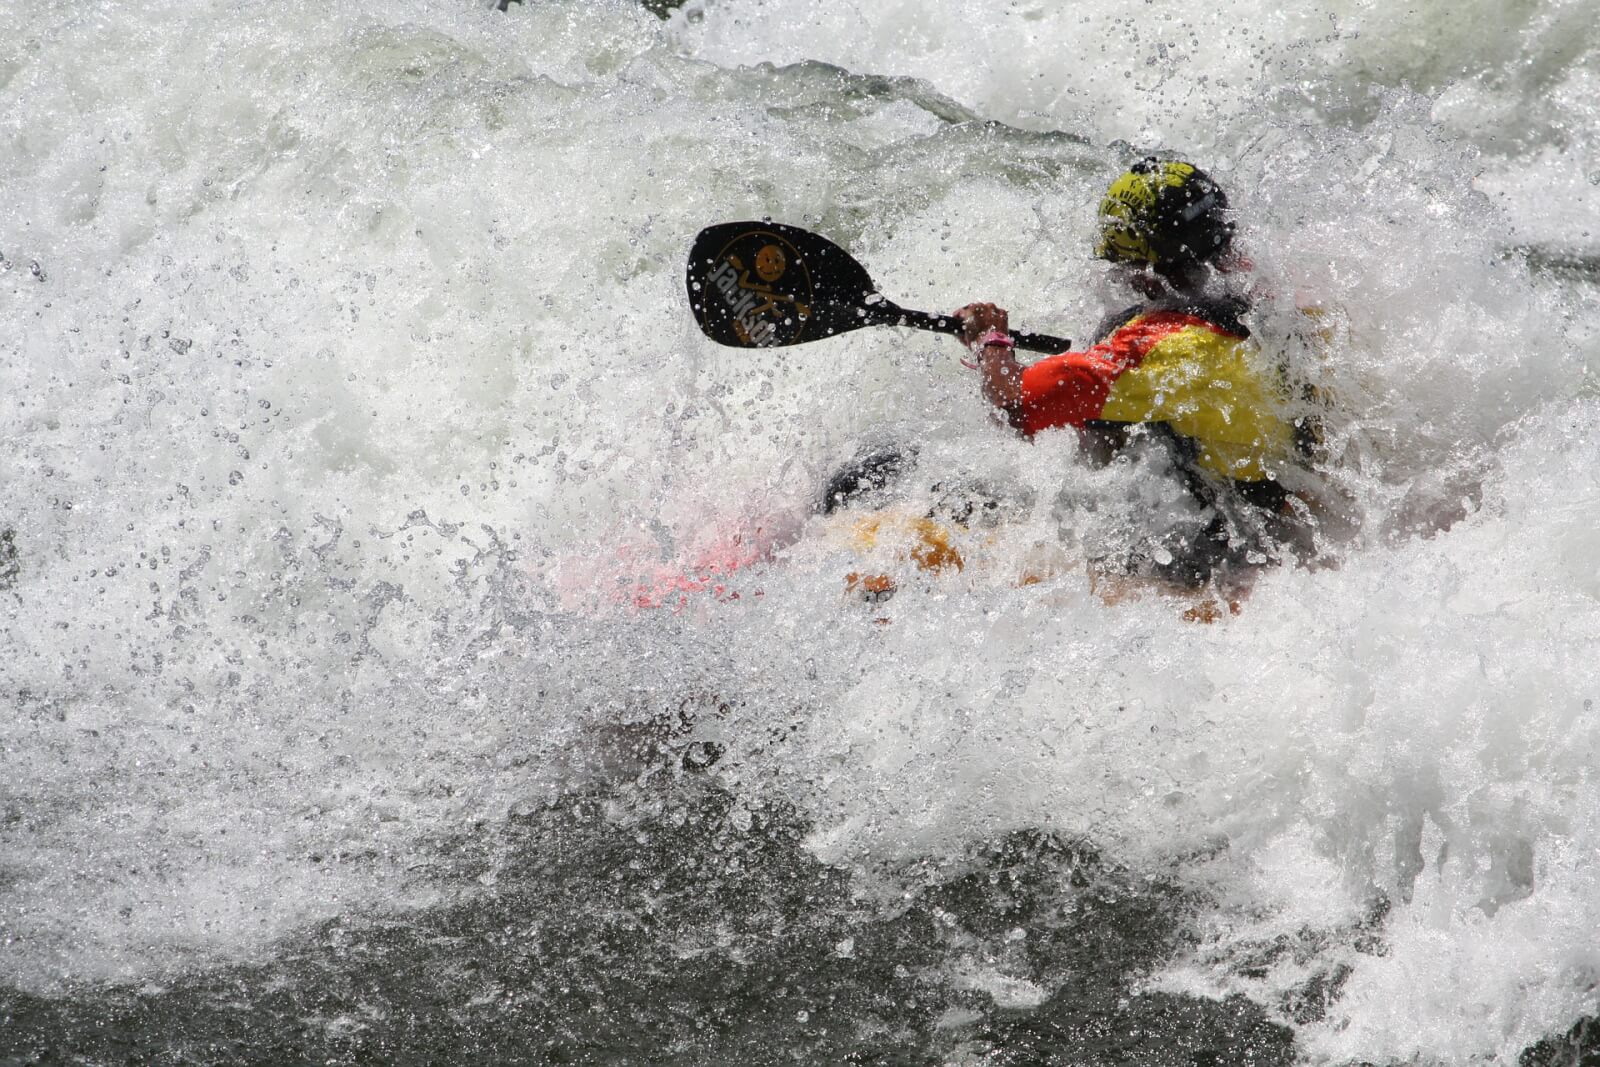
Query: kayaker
1177,369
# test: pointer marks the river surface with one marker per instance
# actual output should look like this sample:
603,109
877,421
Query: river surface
349,397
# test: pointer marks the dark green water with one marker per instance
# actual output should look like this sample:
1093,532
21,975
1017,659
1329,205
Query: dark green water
647,927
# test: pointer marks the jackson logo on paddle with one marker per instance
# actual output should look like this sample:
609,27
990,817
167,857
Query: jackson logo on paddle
765,289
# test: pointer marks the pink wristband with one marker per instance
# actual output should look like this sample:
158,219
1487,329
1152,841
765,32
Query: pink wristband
996,337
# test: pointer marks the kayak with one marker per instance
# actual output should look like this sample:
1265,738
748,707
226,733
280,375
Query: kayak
879,536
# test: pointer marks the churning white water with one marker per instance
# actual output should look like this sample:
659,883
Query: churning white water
346,353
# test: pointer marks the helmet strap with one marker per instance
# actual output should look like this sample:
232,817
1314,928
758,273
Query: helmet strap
1147,283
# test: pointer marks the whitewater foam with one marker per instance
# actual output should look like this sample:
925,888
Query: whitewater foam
351,323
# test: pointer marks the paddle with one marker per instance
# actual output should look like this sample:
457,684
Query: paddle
767,285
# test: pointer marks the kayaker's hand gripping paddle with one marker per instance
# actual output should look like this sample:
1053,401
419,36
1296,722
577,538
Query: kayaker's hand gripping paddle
766,285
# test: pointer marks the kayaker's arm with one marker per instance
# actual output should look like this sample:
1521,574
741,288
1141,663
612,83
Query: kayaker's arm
983,330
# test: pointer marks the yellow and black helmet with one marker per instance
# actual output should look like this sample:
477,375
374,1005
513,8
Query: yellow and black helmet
1165,213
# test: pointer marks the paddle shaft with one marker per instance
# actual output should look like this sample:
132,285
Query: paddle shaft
885,313
767,285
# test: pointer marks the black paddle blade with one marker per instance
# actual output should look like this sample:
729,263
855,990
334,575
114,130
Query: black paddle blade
767,285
